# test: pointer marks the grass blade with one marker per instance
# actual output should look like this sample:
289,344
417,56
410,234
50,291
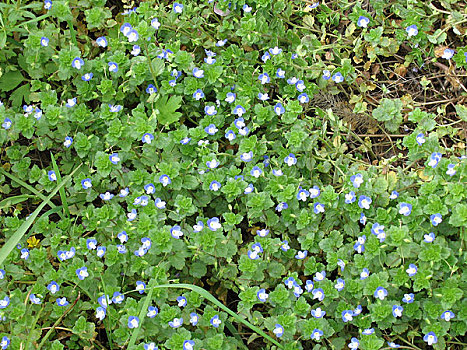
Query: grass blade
205,294
62,189
21,231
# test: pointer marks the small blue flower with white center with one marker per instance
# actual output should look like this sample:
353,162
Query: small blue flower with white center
289,282
136,50
71,102
147,138
397,310
326,74
266,56
52,176
277,172
264,78
87,76
430,338
408,298
215,321
278,330
412,30
314,192
215,186
107,196
318,313
451,171
239,122
25,253
47,4
101,41
363,21
249,189
114,158
91,243
100,251
230,97
364,274
244,131
165,180
340,284
68,141
257,247
262,295
412,270
420,138
429,238
212,164
152,311
82,273
405,209
280,73
350,197
159,203
34,299
275,50
140,252
133,322
198,227
115,108
356,180
28,110
393,345
185,140
338,77
181,300
364,202
263,97
150,188
62,301
132,36
221,43
341,264
368,331
247,8
290,159
38,113
126,28
198,73
132,215
198,94
121,249
230,135
140,286
194,319
100,313
359,246
210,110
262,233
239,111
77,63
6,123
104,301
176,232
256,171
188,345
319,276
279,109
380,293
358,310
300,86
378,231
303,98
253,254
448,53
213,224
318,294
211,129
434,159
4,302
309,285
2,274
44,41
177,8
447,315
281,206
155,23
150,346
53,287
297,290
394,195
436,219
318,208
301,255
151,89
302,195
118,298
316,334
354,343
347,315
285,246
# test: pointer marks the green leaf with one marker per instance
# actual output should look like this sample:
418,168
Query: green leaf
10,80
167,109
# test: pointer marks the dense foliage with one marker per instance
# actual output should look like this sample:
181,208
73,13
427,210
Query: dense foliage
302,162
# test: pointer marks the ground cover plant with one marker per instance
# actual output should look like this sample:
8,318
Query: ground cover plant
233,175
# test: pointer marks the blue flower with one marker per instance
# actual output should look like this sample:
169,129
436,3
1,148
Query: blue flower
34,299
250,188
44,41
68,141
194,319
87,77
338,78
77,63
350,197
71,102
318,294
316,334
302,195
181,300
393,345
6,123
364,202
451,171
303,98
230,97
104,301
101,41
340,284
309,285
430,338
247,8
100,251
275,50
256,171
264,78
359,246
82,273
150,188
281,206
212,164
214,224
368,331
114,158
47,4
363,22
318,208
214,186
358,310
91,243
314,192
301,254
132,36
397,310
362,219
165,180
289,282
420,139
185,140
279,109
198,94
239,111
412,270
177,8
140,286
132,215
239,122
356,180
133,322
318,313
447,315
262,233
263,97
262,295
62,301
115,108
429,238
434,159
380,293
364,274
4,302
280,73
135,50
210,110
347,315
188,345
285,245
211,129
25,253
278,330
412,30
107,196
244,131
405,209
266,56
121,249
198,73
198,227
436,219
230,135
52,176
147,138
2,274
150,346
394,195
326,74
290,159
341,264
297,290
408,298
5,342
126,28
278,173
176,232
354,343
300,86
118,298
215,321
151,89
